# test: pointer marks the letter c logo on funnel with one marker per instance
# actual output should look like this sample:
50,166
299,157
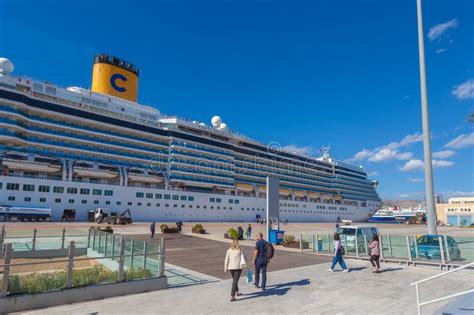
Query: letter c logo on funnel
113,82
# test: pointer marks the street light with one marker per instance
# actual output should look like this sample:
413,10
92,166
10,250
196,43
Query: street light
429,189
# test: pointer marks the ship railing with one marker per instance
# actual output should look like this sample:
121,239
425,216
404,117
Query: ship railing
419,304
403,249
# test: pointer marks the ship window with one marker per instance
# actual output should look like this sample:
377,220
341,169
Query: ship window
190,206
84,191
129,203
183,198
212,199
72,190
27,199
158,196
149,195
84,201
167,196
11,198
157,204
218,208
231,201
57,200
218,200
119,203
175,197
108,192
237,201
42,199
148,204
43,188
205,207
190,198
58,189
182,206
139,204
13,186
212,207
71,200
107,202
139,195
198,206
167,205
96,202
175,205
97,192
28,187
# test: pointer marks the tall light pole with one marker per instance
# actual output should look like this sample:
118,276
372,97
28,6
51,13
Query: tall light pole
429,189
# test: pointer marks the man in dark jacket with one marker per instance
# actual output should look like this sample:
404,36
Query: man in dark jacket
152,230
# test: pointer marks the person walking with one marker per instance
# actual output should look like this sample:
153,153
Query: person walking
234,262
338,253
152,230
337,226
249,232
375,253
260,261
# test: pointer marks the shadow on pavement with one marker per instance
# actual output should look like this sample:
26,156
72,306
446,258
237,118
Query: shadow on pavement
276,289
390,269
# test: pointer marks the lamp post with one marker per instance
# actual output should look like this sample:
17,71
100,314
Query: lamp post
429,189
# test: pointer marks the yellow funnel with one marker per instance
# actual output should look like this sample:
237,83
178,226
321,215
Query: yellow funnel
113,76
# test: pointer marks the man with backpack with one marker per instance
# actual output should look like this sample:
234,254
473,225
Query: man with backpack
262,255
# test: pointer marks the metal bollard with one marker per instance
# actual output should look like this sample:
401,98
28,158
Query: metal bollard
162,256
33,246
113,246
145,252
415,244
121,269
441,250
63,238
381,247
446,246
105,245
365,245
6,269
70,265
389,240
317,245
408,248
301,243
132,252
93,238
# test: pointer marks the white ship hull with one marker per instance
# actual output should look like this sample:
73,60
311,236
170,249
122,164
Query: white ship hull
153,209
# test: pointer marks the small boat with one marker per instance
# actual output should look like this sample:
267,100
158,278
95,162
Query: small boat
383,215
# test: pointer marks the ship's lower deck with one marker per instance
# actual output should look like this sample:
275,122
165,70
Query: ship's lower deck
147,204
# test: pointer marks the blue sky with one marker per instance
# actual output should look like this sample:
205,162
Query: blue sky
301,73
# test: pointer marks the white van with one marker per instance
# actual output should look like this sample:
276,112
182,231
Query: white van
348,237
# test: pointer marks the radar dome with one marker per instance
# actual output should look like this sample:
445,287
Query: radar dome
202,124
223,127
6,66
216,121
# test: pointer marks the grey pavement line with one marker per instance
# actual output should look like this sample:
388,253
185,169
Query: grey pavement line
193,273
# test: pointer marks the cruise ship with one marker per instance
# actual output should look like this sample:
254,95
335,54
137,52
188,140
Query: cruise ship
74,148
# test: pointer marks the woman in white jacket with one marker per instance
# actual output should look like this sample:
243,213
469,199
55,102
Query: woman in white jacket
234,262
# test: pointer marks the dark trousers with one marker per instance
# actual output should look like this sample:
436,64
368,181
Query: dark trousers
261,266
152,233
235,281
374,260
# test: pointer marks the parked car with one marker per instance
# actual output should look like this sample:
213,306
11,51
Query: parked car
348,236
428,247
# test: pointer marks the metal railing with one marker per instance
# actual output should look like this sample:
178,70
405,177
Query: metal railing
444,251
419,304
119,254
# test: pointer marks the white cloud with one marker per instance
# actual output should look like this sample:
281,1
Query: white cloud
417,194
456,193
389,151
374,173
462,141
440,29
419,165
465,90
416,180
443,154
441,50
308,150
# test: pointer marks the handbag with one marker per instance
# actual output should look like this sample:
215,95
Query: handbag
242,260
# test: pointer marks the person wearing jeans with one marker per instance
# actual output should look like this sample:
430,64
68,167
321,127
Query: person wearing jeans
337,258
260,261
375,253
234,261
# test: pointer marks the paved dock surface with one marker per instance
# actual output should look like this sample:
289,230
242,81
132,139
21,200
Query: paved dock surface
207,256
303,290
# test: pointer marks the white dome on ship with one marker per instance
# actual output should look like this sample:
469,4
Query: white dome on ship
216,121
6,66
223,127
202,124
